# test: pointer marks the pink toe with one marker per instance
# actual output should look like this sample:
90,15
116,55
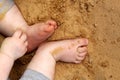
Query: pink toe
49,29
83,42
80,58
81,49
82,54
52,23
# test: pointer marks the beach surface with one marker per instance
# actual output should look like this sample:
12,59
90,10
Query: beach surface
97,20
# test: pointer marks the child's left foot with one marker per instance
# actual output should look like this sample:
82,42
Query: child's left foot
67,50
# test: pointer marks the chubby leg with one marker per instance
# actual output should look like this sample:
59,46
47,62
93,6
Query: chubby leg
37,33
67,51
11,21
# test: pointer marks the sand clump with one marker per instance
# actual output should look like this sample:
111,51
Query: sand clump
97,20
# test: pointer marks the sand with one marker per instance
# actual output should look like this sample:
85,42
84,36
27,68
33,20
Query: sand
97,20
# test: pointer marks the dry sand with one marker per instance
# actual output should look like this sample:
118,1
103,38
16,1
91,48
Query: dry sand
97,20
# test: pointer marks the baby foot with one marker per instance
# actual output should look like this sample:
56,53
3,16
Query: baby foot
67,50
39,32
36,34
48,53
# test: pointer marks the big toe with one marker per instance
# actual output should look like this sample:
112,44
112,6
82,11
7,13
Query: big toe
83,42
52,23
49,28
80,57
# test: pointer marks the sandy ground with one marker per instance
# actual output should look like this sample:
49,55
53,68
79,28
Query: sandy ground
97,20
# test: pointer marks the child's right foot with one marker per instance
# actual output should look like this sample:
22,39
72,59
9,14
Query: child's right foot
67,50
36,33
39,32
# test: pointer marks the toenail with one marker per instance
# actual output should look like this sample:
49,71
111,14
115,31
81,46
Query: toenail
85,41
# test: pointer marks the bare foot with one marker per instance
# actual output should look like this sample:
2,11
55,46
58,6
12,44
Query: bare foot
39,32
36,33
46,56
67,50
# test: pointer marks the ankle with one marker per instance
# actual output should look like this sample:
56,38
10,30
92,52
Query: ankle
56,52
55,57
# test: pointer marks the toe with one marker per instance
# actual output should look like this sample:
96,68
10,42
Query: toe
81,49
52,23
17,34
49,28
80,58
83,42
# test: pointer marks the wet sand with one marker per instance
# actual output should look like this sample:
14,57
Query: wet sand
97,20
